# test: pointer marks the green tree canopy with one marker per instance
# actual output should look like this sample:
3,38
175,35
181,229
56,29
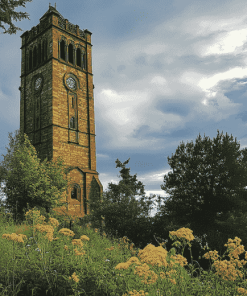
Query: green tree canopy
28,181
207,184
7,13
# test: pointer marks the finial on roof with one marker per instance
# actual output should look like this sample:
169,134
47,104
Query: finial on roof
55,6
49,4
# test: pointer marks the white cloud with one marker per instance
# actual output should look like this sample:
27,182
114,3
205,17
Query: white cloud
228,42
123,113
153,177
218,107
191,78
159,80
155,48
208,83
166,73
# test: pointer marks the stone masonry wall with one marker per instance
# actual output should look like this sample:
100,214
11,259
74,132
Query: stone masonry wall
45,113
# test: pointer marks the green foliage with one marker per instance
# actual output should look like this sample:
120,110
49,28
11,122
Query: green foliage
206,185
123,214
7,13
55,261
28,181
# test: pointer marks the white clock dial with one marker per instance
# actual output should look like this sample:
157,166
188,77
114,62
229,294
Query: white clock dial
38,83
71,82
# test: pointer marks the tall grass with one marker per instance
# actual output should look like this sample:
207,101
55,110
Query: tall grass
42,257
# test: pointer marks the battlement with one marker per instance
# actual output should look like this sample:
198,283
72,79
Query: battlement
53,18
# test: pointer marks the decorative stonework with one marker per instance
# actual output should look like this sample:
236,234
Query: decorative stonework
46,20
71,81
57,104
38,82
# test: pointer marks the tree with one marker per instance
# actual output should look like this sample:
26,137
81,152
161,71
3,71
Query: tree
206,185
7,13
123,214
235,221
29,182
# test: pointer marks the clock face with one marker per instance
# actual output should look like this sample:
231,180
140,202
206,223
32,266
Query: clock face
71,82
37,83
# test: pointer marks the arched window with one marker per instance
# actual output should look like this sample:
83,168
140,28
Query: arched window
35,57
30,59
71,54
39,53
72,122
73,101
75,192
44,50
78,57
84,61
62,50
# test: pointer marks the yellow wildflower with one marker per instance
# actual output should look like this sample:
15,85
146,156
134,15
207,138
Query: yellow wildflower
173,281
77,253
234,248
153,255
227,270
45,228
122,266
180,259
128,263
110,249
53,222
35,215
145,271
84,237
213,255
133,260
183,233
66,232
242,291
77,242
15,237
74,277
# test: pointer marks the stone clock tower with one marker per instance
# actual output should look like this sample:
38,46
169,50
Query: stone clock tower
57,103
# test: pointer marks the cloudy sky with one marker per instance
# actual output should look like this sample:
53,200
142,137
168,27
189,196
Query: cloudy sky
164,71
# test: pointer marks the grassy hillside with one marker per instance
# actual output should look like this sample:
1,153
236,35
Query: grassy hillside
42,257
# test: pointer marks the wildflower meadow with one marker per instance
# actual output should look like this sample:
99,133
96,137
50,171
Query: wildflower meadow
42,257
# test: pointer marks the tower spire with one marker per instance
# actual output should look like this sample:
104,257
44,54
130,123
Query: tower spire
55,5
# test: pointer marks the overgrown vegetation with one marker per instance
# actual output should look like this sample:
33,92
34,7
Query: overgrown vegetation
30,181
44,258
207,178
